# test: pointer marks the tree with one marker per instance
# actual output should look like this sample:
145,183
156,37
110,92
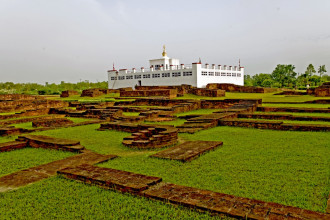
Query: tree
284,75
322,70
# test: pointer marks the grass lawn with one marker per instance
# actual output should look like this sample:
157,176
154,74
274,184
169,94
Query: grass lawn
59,198
199,111
266,97
175,122
297,105
131,113
287,121
296,114
16,160
286,167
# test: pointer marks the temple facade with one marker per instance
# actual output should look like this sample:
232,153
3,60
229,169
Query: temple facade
168,71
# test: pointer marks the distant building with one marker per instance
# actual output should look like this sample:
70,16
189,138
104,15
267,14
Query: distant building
168,71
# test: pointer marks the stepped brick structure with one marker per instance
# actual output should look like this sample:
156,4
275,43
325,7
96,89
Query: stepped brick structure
145,136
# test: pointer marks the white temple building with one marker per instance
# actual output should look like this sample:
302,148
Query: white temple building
169,72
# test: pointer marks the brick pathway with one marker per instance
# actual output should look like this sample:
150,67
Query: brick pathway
34,174
219,203
110,178
188,150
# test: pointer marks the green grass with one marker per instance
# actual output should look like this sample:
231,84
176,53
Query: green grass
199,111
290,168
266,97
59,198
175,122
7,113
298,105
131,113
78,120
288,121
16,160
296,114
26,125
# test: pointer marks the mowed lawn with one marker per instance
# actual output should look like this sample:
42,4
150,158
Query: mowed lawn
287,167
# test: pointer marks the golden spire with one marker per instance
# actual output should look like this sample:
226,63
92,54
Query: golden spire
164,51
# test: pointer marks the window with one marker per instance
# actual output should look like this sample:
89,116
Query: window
137,77
121,77
204,73
223,74
187,73
146,76
234,74
239,75
166,75
155,75
176,74
113,78
211,73
228,74
129,77
217,73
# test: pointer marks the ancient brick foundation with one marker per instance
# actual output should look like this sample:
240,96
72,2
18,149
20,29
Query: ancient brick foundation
40,141
181,90
145,136
321,91
208,92
236,88
169,93
53,122
69,93
187,151
7,106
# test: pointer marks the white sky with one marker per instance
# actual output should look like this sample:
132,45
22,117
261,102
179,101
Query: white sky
71,40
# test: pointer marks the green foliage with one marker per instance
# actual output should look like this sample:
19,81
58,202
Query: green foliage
47,89
284,75
322,70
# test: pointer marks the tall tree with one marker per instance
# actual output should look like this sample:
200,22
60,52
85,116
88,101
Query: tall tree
322,70
310,70
284,75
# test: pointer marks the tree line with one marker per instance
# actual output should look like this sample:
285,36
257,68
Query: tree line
48,88
285,76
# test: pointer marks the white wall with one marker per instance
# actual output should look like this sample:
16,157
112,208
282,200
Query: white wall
197,79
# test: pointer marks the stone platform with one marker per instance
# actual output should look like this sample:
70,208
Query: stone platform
40,141
188,150
13,145
110,178
233,206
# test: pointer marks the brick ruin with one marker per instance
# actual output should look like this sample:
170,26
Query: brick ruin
187,151
228,112
169,93
53,122
236,88
145,136
321,91
208,92
98,91
68,93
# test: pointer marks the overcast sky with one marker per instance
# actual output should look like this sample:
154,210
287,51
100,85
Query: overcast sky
72,40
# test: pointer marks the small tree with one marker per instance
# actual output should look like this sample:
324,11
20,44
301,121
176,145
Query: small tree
322,70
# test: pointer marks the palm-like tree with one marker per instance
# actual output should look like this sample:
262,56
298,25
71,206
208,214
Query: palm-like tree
322,70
